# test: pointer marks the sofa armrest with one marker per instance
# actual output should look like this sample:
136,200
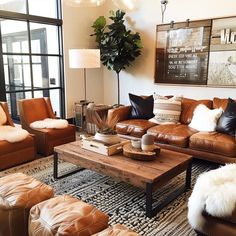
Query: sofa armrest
118,114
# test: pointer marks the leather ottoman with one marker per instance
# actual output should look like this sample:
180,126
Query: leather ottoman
18,193
67,216
116,230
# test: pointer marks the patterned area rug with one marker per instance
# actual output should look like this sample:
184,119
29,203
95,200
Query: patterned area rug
123,202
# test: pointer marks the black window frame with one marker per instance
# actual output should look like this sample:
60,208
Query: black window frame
28,18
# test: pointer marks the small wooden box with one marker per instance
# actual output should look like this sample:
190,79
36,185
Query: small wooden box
103,148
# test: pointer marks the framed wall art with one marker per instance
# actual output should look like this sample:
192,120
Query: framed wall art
197,52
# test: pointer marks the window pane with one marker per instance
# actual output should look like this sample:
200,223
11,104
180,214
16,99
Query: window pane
12,99
13,5
54,95
17,73
44,38
45,72
14,36
46,8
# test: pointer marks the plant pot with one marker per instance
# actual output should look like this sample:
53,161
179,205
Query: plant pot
107,138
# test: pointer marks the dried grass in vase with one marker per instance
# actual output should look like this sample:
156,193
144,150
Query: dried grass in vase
102,123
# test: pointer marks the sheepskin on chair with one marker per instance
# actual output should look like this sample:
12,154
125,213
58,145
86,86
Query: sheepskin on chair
214,192
49,123
12,134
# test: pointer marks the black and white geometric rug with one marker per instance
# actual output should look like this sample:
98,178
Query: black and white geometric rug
124,203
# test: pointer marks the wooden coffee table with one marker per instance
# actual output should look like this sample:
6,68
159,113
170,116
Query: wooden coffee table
149,176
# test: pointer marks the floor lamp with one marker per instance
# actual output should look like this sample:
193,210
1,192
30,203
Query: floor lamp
84,58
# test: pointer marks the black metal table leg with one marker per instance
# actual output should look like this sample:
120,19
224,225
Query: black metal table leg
55,168
149,200
188,176
150,211
55,165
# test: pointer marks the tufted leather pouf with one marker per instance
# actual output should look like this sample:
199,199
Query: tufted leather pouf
18,193
117,230
67,216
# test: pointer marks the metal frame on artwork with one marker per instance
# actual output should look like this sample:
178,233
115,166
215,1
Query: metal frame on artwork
197,53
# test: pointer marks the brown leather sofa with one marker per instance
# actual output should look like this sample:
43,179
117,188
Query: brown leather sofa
12,154
211,146
39,109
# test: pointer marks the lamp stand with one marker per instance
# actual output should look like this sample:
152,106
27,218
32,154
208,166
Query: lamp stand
85,97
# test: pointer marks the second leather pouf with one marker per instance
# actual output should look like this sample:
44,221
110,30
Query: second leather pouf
67,216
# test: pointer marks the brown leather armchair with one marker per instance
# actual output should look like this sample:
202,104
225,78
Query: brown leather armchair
12,154
39,109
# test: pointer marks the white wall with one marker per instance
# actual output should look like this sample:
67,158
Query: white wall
139,78
76,34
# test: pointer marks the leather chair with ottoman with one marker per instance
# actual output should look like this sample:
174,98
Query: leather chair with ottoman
18,193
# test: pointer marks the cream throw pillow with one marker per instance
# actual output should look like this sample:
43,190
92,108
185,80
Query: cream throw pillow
12,134
166,110
205,119
3,117
49,124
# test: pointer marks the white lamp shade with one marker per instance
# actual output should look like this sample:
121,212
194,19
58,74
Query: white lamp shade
84,58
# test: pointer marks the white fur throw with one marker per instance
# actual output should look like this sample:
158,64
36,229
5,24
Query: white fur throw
49,124
3,117
214,192
12,134
205,119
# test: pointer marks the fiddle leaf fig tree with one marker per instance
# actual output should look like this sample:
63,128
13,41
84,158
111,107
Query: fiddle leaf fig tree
119,47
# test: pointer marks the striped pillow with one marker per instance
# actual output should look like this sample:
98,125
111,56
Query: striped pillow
166,111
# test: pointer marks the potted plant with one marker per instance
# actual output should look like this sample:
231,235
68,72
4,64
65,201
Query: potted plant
119,47
105,131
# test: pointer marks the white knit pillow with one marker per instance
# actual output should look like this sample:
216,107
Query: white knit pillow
3,117
166,110
205,119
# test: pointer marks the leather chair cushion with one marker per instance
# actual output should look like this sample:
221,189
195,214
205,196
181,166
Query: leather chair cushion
6,147
32,105
59,133
174,134
214,142
188,106
3,117
20,190
135,127
65,215
117,230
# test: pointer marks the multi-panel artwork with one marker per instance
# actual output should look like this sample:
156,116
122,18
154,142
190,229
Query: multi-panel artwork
197,52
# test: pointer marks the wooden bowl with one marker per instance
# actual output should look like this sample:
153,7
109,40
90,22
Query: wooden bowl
139,154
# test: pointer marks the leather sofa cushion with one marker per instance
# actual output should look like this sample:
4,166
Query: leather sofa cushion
134,127
174,134
220,102
117,230
20,190
214,142
188,106
6,147
65,215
